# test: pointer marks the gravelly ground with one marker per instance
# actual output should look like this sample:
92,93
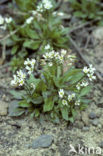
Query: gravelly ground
17,133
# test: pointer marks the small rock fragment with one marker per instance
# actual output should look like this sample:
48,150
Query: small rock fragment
101,144
92,115
3,108
85,129
43,141
95,122
85,118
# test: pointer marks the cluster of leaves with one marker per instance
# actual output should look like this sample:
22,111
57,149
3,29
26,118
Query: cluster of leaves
31,38
44,98
88,10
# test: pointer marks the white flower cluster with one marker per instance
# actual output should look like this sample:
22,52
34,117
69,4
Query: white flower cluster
4,21
19,79
90,72
52,55
37,15
82,84
77,103
29,65
70,97
45,4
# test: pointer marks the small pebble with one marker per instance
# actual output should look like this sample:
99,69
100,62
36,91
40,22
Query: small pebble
101,144
85,129
92,115
95,122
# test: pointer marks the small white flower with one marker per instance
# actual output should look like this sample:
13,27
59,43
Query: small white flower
21,82
29,20
56,55
63,52
27,62
71,97
47,47
60,13
77,103
1,20
84,84
78,86
3,27
91,77
34,12
21,75
14,82
85,70
54,13
30,69
50,64
52,54
8,19
61,93
33,85
40,7
64,102
47,4
33,61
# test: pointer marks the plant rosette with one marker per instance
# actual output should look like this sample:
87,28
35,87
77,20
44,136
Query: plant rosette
52,91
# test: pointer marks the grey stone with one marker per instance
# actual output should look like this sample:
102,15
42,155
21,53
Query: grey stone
95,122
101,144
79,124
85,118
92,115
3,108
85,129
43,141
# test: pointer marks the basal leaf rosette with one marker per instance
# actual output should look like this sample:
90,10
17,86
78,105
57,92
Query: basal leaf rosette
52,91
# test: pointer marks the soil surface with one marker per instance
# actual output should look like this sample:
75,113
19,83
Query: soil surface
16,134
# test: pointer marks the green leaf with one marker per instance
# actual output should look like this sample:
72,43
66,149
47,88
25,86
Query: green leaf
37,100
70,74
48,105
14,49
85,91
64,112
25,5
71,119
24,104
77,78
17,94
36,112
32,33
31,44
14,109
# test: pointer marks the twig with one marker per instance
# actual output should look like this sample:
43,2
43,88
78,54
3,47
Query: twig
87,42
12,33
81,26
82,57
